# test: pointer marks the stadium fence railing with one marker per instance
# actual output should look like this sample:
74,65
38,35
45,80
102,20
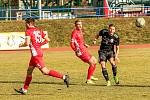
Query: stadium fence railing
66,13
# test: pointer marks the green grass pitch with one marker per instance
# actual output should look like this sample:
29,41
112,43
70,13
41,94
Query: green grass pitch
133,72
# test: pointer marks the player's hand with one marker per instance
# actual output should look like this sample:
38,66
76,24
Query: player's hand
86,45
21,45
117,59
94,42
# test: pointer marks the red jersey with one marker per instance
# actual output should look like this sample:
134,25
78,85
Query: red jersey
77,41
36,36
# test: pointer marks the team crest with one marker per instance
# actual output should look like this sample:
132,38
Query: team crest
111,40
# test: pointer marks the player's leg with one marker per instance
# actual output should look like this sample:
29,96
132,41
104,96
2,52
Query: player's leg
27,81
52,73
91,60
105,73
41,65
92,67
92,63
55,74
102,61
114,69
28,77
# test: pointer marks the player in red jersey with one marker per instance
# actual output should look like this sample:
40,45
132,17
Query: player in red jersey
34,39
80,48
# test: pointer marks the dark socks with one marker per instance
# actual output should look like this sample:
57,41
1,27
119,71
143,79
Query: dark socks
114,69
105,74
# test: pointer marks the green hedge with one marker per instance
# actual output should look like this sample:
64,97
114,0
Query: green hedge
60,30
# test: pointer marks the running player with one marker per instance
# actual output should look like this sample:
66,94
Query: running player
109,50
80,48
34,37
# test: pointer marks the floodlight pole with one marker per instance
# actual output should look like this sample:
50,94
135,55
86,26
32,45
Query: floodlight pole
40,9
6,7
9,7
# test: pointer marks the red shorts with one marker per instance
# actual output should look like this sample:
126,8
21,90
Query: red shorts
37,62
85,57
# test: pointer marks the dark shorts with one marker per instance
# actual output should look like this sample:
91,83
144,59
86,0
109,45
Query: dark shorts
85,57
37,62
105,55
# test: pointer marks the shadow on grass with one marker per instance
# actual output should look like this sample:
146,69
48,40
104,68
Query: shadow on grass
58,83
26,94
84,84
131,85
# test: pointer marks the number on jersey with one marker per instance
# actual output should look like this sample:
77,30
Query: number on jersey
38,36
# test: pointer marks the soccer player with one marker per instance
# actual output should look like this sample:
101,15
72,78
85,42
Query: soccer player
109,50
80,48
35,38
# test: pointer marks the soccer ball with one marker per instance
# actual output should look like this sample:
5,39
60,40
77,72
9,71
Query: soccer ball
140,22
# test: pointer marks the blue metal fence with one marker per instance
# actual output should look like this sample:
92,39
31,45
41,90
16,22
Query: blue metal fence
60,13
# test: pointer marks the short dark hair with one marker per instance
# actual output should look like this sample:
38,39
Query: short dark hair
30,20
111,25
77,21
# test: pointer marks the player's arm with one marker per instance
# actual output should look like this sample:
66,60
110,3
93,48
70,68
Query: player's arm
26,43
117,48
117,53
86,45
95,39
101,33
74,44
46,40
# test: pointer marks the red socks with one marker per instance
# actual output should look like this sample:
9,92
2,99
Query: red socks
91,71
27,82
55,74
51,73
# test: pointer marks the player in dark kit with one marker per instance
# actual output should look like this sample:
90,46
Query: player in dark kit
109,50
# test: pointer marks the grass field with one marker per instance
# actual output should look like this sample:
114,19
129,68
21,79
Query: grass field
134,75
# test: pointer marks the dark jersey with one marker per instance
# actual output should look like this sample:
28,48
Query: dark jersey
108,41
